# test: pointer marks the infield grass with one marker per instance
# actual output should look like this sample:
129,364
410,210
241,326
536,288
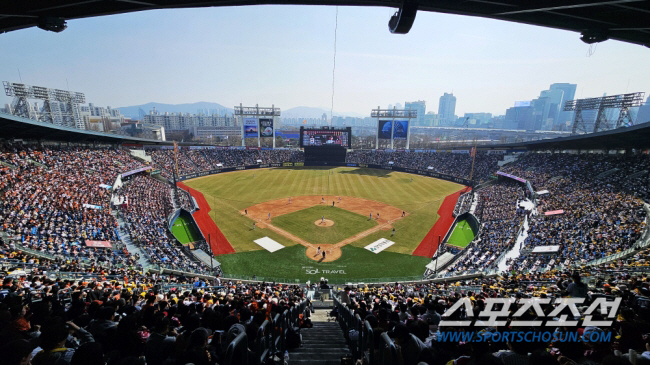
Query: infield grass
301,223
462,234
230,192
184,231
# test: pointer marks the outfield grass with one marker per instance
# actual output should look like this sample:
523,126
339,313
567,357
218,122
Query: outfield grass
356,264
183,230
462,234
301,223
230,192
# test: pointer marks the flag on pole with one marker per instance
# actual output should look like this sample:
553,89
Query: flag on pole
472,153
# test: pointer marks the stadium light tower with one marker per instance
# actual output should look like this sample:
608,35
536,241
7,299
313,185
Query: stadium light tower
392,114
623,102
60,107
251,117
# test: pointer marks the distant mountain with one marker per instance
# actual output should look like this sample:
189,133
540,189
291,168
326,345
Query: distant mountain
311,112
210,108
204,107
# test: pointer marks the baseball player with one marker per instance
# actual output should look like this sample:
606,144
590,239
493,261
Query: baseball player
269,216
322,220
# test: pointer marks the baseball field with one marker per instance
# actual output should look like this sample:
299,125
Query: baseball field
309,211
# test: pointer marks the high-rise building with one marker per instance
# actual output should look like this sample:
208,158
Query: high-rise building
447,109
421,107
552,108
519,117
569,93
185,121
643,115
477,119
431,119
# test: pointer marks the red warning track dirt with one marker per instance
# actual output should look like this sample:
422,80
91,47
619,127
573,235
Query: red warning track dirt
429,245
218,242
263,213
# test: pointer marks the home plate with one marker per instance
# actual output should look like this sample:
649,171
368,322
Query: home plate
268,244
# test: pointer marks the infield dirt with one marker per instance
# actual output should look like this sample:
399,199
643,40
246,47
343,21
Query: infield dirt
382,213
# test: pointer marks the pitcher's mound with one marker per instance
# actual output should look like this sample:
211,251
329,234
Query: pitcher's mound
326,223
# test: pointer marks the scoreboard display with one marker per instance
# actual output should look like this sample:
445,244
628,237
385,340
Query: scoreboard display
325,137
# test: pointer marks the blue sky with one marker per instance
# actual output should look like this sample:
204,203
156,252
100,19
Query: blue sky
283,55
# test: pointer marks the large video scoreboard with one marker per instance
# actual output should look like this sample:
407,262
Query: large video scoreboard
311,137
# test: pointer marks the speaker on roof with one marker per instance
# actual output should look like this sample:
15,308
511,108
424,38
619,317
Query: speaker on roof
402,21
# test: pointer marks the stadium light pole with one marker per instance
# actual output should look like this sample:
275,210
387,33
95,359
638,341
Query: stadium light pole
210,248
392,129
435,271
377,139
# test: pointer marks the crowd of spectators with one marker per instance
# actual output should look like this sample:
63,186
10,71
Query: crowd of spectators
184,200
500,218
149,204
411,314
599,217
54,199
141,320
453,164
463,204
197,160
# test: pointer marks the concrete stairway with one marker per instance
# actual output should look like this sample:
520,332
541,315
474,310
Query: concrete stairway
125,237
323,344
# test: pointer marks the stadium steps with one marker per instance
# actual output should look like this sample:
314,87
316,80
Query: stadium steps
323,344
125,237
609,172
637,174
37,163
2,163
171,194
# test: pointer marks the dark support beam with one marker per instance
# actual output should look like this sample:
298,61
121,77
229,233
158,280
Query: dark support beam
564,5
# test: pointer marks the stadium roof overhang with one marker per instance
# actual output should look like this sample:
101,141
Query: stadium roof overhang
624,20
637,137
12,126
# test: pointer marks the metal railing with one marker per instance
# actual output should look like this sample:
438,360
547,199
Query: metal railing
388,349
237,351
263,343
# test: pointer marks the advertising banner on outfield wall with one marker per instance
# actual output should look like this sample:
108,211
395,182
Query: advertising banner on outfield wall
384,129
401,129
266,127
250,128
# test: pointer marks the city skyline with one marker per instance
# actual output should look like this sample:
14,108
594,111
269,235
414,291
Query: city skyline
250,55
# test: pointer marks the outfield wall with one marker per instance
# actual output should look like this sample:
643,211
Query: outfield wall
436,175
